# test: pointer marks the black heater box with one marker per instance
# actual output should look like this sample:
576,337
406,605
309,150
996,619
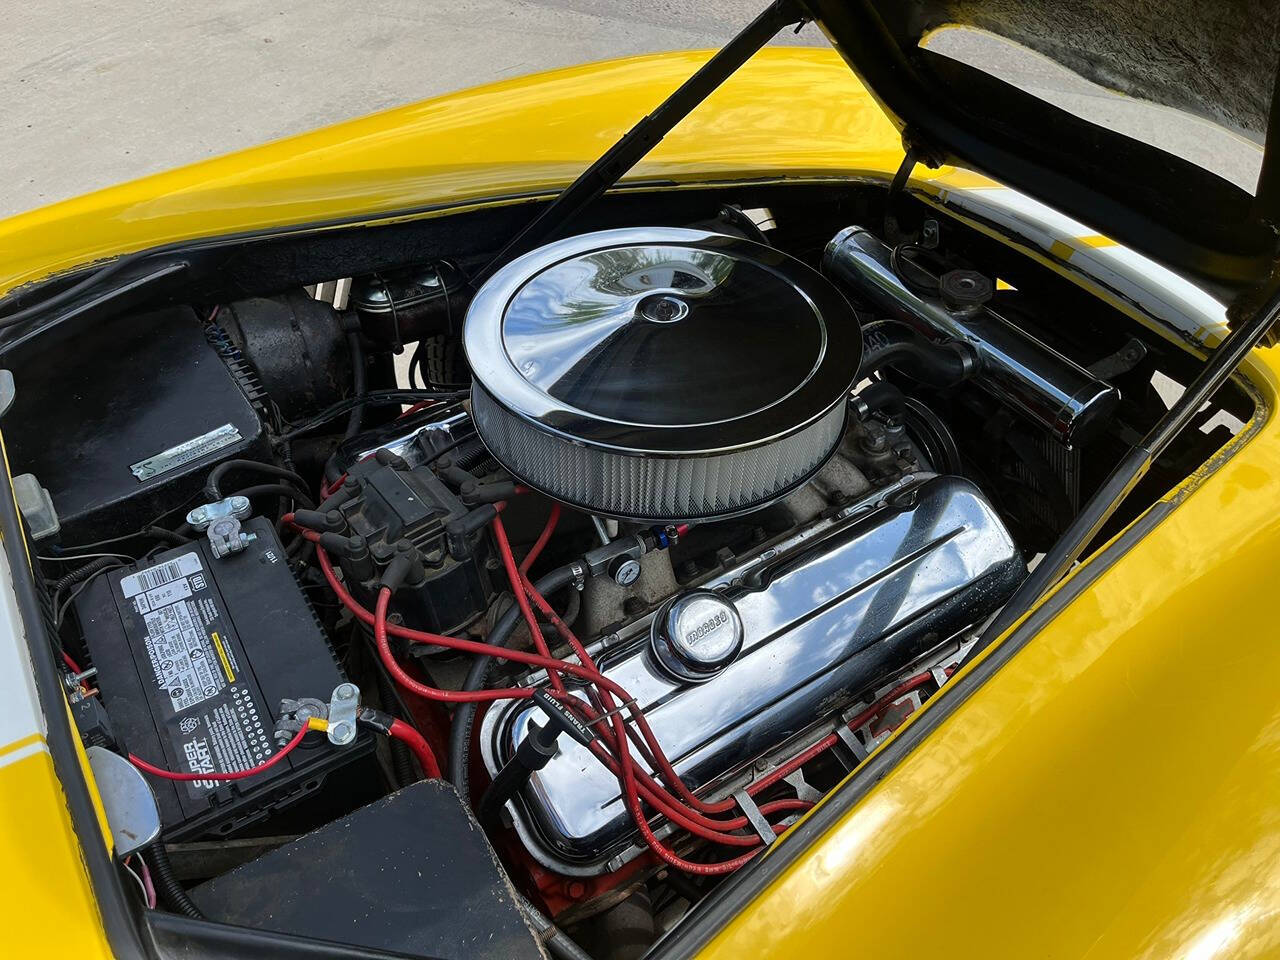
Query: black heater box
411,873
125,420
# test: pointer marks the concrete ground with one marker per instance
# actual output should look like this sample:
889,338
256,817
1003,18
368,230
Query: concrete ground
100,91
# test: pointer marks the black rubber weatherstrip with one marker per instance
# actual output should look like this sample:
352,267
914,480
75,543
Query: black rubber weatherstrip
179,936
735,894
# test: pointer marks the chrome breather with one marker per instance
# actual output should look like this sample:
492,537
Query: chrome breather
661,373
696,635
769,648
1013,366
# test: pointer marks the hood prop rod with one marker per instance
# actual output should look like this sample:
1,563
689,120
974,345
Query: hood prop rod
645,135
1133,466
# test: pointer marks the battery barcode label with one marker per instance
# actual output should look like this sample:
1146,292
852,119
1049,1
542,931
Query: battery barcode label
160,574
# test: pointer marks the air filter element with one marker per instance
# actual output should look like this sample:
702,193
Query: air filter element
660,373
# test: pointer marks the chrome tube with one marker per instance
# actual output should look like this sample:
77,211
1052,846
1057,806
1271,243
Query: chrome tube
1014,367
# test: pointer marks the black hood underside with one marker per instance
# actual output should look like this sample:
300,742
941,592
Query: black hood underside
1216,61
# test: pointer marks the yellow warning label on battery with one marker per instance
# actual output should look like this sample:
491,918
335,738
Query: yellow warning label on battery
222,655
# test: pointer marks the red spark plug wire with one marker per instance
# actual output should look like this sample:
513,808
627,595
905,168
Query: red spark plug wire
630,785
383,630
536,550
522,597
664,804
655,753
635,781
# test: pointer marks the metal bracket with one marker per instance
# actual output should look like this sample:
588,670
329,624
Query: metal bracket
1122,361
849,740
127,800
343,707
759,822
802,787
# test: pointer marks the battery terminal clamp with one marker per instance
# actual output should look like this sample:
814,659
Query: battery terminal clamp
338,715
220,523
296,714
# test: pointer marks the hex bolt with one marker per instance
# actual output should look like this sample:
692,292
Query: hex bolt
74,680
345,691
874,442
341,732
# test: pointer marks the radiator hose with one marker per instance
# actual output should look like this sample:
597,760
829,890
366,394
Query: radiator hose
888,342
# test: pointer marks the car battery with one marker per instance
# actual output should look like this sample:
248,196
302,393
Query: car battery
194,655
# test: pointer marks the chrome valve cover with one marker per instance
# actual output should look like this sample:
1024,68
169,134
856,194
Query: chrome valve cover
824,616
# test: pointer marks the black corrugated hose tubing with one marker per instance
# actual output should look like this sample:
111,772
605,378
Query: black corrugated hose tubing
171,892
82,573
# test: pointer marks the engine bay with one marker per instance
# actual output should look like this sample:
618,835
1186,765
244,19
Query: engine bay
567,591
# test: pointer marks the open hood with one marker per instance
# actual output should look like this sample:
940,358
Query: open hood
1217,62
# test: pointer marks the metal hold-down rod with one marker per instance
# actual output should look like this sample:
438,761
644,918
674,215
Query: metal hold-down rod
646,134
1221,364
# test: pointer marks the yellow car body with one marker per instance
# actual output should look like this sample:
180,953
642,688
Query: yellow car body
1108,791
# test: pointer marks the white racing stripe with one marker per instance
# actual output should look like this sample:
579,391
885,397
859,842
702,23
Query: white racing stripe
20,714
1161,293
21,753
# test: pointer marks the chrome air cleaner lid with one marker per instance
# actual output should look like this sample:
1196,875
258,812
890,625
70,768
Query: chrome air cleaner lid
660,373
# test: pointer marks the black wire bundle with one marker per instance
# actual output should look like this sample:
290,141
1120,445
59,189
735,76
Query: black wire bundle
371,398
